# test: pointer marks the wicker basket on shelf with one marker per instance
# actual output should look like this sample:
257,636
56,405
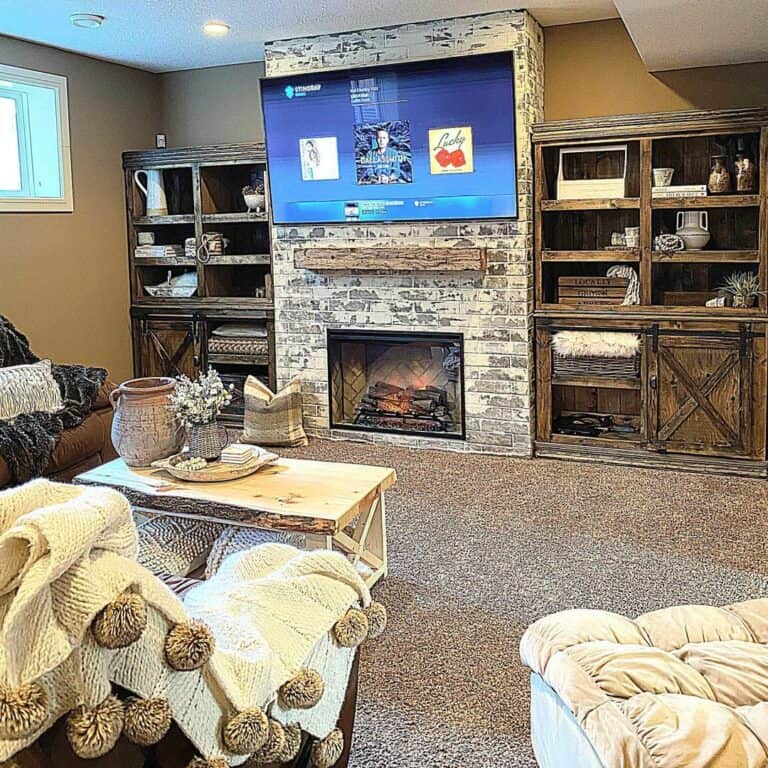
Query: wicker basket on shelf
594,354
619,367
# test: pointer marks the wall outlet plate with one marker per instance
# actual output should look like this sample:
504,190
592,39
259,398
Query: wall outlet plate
160,141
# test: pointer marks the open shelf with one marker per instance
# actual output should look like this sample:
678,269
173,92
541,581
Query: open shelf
221,187
607,204
178,188
607,382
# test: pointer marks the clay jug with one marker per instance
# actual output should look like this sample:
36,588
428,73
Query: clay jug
144,428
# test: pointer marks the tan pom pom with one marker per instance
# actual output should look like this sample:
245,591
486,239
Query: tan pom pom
246,732
376,614
327,752
352,629
216,762
292,743
120,622
303,690
22,710
188,645
92,732
271,749
147,721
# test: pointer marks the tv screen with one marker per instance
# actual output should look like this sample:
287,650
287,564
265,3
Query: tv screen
409,142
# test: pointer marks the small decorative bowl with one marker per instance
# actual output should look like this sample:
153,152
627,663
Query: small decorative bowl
662,177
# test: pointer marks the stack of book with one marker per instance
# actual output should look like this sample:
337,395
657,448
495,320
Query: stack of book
682,190
237,453
169,252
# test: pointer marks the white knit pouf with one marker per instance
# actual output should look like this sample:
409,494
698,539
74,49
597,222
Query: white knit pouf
235,539
176,546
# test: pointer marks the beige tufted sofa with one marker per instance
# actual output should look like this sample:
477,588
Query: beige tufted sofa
682,687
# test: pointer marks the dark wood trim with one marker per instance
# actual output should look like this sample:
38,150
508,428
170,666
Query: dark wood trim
653,124
208,155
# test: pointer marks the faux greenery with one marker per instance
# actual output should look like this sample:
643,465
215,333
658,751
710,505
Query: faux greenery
200,401
743,284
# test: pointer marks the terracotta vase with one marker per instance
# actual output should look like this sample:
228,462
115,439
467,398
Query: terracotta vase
144,428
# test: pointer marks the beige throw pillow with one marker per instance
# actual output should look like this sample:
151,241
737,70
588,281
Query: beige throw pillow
28,388
273,419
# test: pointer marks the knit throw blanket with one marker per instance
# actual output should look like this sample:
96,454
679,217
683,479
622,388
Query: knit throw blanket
27,442
79,614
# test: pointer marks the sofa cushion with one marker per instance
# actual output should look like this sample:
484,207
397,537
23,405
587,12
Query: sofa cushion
78,443
683,686
28,388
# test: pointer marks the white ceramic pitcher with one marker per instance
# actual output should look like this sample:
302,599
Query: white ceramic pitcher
693,228
154,191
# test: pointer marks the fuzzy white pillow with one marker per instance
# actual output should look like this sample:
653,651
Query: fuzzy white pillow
28,388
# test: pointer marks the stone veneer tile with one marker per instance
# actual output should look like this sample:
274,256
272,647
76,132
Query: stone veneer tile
492,310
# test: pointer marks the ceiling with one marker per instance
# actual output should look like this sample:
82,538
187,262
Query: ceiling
679,34
166,35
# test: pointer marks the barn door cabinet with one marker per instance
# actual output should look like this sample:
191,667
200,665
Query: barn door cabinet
697,399
166,345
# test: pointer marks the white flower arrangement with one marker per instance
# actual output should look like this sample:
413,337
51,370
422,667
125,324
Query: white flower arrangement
199,401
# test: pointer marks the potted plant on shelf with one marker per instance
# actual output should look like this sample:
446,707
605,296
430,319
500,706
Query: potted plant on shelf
196,405
744,287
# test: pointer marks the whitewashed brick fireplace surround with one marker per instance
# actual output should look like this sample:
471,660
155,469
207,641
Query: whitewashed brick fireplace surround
491,309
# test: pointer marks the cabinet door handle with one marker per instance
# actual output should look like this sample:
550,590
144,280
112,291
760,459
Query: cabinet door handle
653,382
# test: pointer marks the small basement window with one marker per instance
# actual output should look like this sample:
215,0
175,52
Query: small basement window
35,167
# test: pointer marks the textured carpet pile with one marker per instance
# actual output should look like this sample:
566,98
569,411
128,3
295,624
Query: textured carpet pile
481,546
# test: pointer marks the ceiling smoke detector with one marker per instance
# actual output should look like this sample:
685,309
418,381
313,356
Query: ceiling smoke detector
87,20
216,28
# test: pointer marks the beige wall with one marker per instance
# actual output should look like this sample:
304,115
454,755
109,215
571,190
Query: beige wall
212,106
64,276
594,69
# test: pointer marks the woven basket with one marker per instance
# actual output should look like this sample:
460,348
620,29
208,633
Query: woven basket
624,367
231,346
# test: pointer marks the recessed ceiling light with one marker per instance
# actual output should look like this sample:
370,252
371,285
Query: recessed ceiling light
87,20
216,28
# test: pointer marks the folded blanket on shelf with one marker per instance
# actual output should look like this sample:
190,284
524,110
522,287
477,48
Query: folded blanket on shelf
79,614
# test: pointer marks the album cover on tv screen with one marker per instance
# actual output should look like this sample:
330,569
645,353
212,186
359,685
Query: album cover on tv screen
408,142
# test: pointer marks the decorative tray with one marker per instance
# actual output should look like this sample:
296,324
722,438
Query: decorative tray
215,471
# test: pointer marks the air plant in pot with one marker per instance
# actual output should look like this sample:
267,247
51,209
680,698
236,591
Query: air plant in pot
196,405
254,196
743,287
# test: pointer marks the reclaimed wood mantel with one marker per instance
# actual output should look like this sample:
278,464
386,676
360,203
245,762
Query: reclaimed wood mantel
408,259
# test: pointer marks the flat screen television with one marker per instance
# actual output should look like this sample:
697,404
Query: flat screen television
429,140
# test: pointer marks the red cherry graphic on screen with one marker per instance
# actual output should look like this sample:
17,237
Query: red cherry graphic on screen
443,158
457,158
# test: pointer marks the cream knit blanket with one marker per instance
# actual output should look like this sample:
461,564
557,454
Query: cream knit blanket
67,551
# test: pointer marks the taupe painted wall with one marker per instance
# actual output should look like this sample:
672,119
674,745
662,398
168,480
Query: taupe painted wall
64,276
594,69
213,105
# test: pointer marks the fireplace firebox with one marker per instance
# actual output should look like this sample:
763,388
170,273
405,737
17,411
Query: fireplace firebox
402,382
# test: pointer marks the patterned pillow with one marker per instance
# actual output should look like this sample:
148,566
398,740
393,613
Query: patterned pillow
28,388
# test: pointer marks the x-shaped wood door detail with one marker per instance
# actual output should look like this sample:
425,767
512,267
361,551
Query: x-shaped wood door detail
698,396
171,362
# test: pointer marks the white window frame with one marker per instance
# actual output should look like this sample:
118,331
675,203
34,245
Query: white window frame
65,203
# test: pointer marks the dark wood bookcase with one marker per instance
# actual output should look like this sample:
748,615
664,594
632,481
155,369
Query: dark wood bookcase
699,400
203,187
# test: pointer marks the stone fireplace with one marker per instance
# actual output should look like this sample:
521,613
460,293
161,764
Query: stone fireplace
399,382
489,308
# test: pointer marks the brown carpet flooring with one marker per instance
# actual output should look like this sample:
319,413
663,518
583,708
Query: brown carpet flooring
481,546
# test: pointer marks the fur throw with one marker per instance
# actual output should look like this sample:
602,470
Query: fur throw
28,441
595,344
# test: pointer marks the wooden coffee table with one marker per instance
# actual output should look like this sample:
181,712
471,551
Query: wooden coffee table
338,506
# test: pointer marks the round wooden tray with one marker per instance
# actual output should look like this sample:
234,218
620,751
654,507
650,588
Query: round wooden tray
216,471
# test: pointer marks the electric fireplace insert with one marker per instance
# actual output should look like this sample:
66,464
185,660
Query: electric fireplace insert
401,382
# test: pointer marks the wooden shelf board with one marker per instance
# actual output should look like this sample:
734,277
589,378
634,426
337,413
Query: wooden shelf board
215,357
152,221
629,254
607,204
239,259
153,261
719,201
609,439
604,382
203,302
235,218
392,259
653,310
705,256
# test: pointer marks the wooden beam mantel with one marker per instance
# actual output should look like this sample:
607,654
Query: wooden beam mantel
408,259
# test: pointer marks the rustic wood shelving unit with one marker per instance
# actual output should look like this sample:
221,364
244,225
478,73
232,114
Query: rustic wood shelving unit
203,188
699,401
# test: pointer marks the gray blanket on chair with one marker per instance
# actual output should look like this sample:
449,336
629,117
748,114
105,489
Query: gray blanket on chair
28,441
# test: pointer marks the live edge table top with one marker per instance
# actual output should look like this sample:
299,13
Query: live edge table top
291,494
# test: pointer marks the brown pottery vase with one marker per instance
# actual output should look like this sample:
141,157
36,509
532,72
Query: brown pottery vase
144,428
